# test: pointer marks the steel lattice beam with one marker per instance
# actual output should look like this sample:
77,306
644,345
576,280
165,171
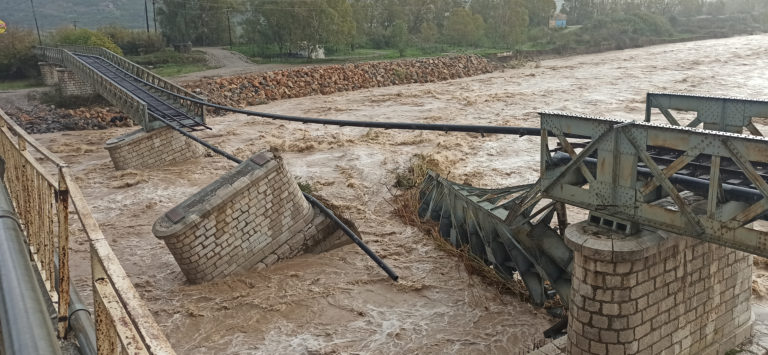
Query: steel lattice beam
619,190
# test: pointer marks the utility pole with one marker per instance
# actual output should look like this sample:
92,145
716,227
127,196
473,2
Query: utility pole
74,23
40,39
146,16
186,35
154,15
229,26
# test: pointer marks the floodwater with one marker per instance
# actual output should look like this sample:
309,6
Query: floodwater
339,302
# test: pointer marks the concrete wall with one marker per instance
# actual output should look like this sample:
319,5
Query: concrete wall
655,293
140,149
249,219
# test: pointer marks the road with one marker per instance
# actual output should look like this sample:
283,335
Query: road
227,63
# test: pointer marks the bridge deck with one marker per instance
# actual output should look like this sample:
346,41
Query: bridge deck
156,106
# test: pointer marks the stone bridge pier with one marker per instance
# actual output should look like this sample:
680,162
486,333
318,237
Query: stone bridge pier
65,80
250,218
655,293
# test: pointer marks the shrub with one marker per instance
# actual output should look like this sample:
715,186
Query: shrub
134,42
84,37
17,60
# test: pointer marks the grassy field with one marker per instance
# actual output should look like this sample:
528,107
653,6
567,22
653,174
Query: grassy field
178,69
170,63
20,84
360,54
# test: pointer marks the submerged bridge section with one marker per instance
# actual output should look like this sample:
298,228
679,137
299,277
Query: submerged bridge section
663,201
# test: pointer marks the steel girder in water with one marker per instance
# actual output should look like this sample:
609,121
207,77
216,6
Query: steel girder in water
504,229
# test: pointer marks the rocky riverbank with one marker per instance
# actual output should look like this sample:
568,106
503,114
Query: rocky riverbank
46,119
254,89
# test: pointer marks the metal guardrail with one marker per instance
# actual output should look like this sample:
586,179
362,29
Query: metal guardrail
617,187
42,195
24,316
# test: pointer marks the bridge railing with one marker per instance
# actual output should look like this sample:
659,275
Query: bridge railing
42,188
128,103
194,109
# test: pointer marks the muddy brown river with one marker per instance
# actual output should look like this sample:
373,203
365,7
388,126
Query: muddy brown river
339,301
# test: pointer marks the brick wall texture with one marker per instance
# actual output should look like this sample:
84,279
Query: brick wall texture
674,296
71,85
48,73
250,222
161,147
64,79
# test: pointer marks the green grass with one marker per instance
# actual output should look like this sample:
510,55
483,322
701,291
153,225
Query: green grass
20,84
170,63
178,69
365,54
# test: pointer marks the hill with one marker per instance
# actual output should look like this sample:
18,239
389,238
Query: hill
52,14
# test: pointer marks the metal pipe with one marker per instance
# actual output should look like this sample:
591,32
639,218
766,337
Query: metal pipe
411,126
732,192
80,321
24,319
308,197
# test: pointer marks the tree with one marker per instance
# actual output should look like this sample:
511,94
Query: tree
463,28
539,11
85,37
428,33
202,22
398,37
507,20
344,27
306,24
17,60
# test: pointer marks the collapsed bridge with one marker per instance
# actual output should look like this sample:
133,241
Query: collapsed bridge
576,168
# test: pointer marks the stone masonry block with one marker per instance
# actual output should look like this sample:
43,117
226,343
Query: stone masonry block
660,294
140,149
240,223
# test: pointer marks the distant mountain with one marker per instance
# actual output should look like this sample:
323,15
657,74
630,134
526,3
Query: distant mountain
52,14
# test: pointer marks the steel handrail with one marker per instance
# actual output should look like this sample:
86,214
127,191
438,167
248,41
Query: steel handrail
24,318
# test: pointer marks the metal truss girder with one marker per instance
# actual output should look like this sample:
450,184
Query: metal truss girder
497,226
729,114
618,190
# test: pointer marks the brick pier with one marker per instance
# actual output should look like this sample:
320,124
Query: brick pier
655,293
251,218
140,149
65,79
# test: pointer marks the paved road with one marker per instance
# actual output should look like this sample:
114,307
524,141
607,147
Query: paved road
228,63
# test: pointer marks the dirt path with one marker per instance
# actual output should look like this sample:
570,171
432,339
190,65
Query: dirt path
18,98
339,302
228,63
